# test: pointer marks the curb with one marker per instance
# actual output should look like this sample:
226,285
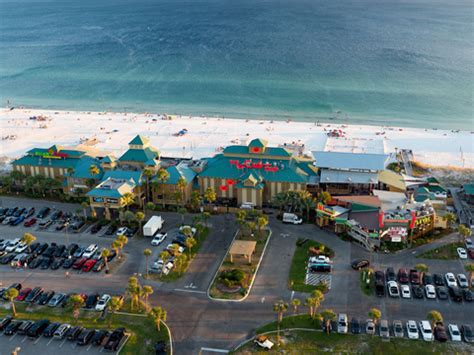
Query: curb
253,278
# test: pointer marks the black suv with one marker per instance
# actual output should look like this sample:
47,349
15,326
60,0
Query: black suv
114,340
38,328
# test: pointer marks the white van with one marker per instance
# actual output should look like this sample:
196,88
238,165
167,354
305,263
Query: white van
426,331
342,325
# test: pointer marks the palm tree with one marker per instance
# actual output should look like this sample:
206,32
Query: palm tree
147,253
421,268
375,314
117,246
279,307
307,202
240,216
205,217
251,227
190,242
76,302
313,304
295,302
94,170
262,222
149,206
450,218
28,238
280,200
327,316
196,199
464,232
182,211
210,196
128,199
11,294
163,176
17,176
105,253
182,184
147,291
140,216
324,197
180,263
159,315
115,304
434,317
129,216
123,241
148,173
470,269
134,291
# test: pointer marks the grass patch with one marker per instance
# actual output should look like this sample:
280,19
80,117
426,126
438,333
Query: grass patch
299,263
445,252
308,342
143,333
295,321
239,263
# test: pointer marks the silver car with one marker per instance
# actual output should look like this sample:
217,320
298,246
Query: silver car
384,330
61,331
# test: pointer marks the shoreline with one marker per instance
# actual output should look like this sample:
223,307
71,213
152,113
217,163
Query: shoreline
206,135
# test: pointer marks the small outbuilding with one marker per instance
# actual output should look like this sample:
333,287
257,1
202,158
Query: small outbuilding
242,248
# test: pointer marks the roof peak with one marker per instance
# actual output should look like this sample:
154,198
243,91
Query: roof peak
139,140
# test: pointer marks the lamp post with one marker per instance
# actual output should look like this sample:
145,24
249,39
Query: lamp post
66,225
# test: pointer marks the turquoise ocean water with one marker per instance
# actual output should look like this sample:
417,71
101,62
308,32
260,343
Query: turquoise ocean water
406,63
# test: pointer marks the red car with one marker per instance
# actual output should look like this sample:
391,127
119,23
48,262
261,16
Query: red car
470,252
30,222
23,293
88,265
79,263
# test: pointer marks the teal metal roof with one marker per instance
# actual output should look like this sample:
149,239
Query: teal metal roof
257,142
288,170
469,189
72,153
65,163
98,192
139,155
82,169
138,140
135,176
436,188
178,171
107,159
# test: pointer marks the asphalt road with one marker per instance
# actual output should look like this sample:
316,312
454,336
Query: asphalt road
197,322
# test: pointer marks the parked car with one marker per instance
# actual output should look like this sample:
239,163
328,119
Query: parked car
121,231
73,333
468,295
57,263
462,281
320,268
414,277
405,291
342,323
85,337
88,265
12,327
430,292
426,332
99,265
355,326
403,276
110,230
370,327
398,328
30,222
379,283
467,333
56,300
462,253
469,243
158,239
79,263
51,329
384,330
442,292
102,303
62,330
91,301
428,279
393,290
43,212
320,259
68,263
91,249
34,294
450,280
440,332
438,279
37,328
23,329
412,330
96,228
417,291
99,337
23,294
4,322
454,332
45,224
45,298
455,293
114,340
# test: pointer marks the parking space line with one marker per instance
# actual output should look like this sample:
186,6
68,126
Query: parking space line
89,347
11,338
24,339
37,340
61,345
49,342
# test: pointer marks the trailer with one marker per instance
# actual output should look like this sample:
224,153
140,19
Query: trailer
153,225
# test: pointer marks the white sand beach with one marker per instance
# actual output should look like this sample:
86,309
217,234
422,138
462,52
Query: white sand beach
110,132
